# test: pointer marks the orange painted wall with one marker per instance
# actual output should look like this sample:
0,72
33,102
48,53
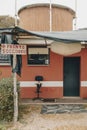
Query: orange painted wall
52,72
84,65
83,75
48,92
5,71
83,92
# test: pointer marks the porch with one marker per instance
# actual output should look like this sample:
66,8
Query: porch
64,100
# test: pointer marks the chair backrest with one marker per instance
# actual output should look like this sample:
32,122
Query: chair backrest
39,78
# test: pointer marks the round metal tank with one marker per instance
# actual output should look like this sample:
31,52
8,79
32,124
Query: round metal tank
36,17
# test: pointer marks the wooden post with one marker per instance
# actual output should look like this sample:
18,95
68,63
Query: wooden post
14,76
15,91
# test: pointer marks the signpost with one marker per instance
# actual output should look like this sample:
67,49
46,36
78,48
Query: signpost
14,49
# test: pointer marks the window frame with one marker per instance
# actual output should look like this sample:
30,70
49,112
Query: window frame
4,63
38,64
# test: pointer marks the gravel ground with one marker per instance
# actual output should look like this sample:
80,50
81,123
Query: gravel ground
33,120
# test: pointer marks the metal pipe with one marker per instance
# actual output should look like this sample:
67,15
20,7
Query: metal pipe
15,12
50,15
75,24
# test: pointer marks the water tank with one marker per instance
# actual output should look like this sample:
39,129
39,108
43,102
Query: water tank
36,17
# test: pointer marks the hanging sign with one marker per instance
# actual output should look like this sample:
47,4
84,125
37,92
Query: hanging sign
13,49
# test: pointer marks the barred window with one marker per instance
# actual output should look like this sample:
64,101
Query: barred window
38,56
4,59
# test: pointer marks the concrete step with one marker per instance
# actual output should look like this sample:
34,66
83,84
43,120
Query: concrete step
64,100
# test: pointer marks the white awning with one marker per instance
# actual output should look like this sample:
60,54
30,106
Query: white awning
65,49
38,50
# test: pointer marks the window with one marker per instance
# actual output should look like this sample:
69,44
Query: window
38,56
4,59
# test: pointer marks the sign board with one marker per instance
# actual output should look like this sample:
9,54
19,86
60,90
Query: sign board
13,49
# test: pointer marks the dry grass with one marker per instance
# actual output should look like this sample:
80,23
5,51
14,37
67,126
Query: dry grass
33,120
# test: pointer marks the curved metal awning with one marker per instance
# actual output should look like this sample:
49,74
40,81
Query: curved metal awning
61,36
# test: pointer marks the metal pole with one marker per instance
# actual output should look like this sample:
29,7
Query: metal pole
75,24
50,16
14,75
15,12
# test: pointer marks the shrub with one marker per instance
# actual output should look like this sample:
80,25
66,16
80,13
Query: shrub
2,127
7,99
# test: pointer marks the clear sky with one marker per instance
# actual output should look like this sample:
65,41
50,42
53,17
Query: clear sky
7,7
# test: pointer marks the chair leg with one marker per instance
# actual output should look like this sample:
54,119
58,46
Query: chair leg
38,91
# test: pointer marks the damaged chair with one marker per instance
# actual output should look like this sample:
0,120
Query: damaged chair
38,86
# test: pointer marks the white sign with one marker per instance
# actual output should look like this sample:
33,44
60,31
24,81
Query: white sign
13,49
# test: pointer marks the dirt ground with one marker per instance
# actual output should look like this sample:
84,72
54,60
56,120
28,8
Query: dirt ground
33,120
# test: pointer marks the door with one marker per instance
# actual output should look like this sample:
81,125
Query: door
71,76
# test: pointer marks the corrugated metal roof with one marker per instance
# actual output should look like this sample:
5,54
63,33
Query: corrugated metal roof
63,36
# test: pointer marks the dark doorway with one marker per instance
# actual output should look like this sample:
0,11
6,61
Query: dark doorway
71,76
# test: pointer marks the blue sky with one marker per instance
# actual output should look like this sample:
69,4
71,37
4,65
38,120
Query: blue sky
7,7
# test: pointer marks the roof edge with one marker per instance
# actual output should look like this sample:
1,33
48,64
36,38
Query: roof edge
46,5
